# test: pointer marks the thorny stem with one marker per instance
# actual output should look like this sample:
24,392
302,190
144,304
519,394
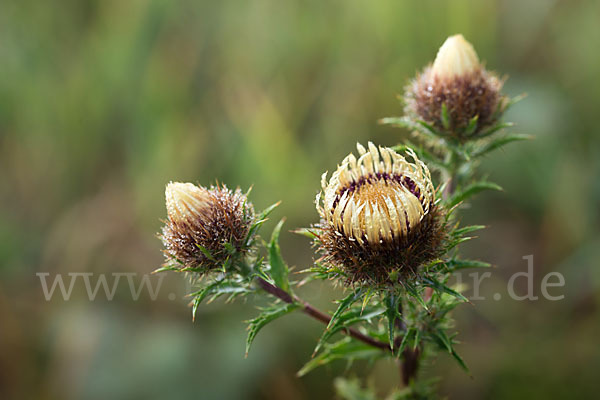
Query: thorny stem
317,314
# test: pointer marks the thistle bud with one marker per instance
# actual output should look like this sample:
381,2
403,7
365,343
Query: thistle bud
458,82
205,227
456,57
379,219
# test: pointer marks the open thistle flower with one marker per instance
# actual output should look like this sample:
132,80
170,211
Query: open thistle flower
458,82
206,227
379,220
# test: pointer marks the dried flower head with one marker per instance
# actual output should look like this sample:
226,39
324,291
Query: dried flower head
205,227
379,219
461,84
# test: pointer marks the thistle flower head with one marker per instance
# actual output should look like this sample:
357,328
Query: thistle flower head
378,216
205,227
458,82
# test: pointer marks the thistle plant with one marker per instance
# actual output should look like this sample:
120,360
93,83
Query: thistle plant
388,231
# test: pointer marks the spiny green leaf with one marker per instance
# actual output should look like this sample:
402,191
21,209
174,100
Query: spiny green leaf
195,305
458,241
442,339
346,348
391,304
267,315
410,333
494,129
402,122
499,142
456,264
460,361
165,268
428,128
345,303
306,232
347,319
513,101
417,339
470,129
219,288
279,269
467,229
433,283
414,293
205,252
259,220
265,213
368,296
229,247
471,190
445,116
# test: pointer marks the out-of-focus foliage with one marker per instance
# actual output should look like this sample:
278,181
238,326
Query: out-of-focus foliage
103,102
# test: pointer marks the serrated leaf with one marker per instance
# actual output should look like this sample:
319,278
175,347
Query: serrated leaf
346,320
344,304
368,296
499,142
434,284
279,269
219,288
259,221
267,315
346,348
414,293
470,191
200,295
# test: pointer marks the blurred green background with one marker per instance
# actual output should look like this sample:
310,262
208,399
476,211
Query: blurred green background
104,102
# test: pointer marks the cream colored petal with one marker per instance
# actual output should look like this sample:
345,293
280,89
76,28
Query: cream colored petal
347,218
337,220
361,149
401,209
387,159
357,225
374,156
384,224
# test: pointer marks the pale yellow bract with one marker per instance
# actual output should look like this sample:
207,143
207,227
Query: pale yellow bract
456,57
378,197
185,201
